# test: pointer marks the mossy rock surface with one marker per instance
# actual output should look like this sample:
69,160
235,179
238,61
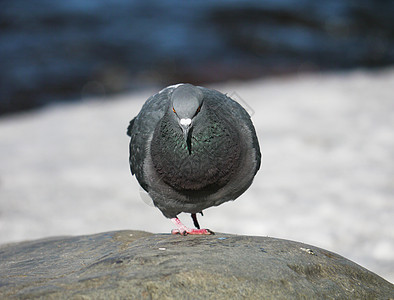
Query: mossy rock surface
141,265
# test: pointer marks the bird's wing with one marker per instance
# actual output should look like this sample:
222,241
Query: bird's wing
240,112
141,129
130,127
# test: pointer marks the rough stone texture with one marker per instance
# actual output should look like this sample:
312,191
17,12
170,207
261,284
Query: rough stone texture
136,264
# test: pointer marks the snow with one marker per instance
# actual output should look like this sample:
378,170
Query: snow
327,178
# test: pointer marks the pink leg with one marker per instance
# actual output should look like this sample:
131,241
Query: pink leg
183,230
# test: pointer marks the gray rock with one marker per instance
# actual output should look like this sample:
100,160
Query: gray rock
136,264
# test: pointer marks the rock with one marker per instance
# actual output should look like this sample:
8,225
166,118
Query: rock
137,264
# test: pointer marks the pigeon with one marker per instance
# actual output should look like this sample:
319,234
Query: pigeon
192,148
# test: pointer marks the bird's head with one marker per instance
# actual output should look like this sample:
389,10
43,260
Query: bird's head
186,102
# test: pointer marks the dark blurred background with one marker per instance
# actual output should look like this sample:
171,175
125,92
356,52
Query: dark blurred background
69,50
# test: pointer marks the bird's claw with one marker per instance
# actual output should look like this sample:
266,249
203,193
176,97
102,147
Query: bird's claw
193,232
183,230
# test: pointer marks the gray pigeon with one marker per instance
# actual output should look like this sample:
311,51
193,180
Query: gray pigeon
192,148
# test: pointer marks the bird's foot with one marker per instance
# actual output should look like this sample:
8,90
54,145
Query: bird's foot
183,230
192,231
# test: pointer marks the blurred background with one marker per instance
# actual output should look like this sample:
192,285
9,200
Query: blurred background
317,77
67,50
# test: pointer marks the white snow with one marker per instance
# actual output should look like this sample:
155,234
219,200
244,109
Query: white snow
327,178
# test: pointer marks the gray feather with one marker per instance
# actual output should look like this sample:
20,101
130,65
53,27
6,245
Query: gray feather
218,165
